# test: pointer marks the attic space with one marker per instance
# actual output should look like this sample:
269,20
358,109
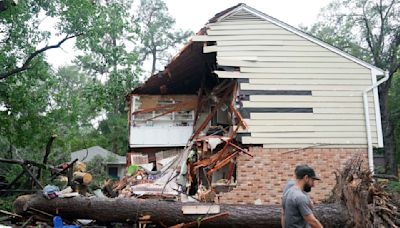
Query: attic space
185,74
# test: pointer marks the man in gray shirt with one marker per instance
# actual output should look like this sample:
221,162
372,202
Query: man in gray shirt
296,204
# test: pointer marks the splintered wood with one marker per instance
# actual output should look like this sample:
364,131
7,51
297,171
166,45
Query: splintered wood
368,205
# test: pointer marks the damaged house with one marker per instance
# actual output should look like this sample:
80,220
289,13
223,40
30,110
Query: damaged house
248,99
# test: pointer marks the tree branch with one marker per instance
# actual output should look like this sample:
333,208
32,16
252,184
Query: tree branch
369,37
389,8
380,39
33,55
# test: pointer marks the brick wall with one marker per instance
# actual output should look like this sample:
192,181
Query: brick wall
261,179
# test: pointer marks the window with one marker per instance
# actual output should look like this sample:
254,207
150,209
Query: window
113,172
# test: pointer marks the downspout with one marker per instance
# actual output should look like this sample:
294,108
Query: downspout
367,120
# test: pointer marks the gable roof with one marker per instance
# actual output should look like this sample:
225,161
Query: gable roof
190,60
246,12
86,155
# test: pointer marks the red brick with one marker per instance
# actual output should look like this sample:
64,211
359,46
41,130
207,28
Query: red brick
264,176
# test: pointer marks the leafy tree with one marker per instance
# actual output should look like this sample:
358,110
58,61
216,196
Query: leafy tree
158,34
110,63
370,30
72,108
24,101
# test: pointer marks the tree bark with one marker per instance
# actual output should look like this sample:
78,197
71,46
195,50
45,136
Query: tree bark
153,66
114,148
387,128
46,155
167,212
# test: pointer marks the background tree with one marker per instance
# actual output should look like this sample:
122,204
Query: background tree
370,30
110,62
158,34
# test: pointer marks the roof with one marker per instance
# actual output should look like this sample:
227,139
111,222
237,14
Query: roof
241,6
87,155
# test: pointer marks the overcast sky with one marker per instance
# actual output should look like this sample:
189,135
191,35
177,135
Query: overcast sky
193,14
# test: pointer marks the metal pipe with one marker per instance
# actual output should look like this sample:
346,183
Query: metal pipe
367,120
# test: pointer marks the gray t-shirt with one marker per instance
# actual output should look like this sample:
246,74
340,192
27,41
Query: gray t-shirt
296,205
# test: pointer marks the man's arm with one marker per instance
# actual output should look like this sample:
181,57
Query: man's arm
314,223
282,218
305,211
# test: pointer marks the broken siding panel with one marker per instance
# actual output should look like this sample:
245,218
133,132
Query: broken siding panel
248,32
262,64
264,42
247,37
305,70
268,47
260,49
276,53
353,88
339,77
303,59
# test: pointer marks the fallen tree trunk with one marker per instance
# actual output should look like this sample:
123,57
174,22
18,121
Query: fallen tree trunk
167,212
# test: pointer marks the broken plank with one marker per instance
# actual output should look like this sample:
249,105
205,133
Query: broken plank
10,214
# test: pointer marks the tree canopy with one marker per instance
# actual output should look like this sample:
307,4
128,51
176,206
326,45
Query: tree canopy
83,103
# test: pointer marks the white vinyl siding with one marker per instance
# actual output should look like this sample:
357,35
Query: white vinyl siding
274,58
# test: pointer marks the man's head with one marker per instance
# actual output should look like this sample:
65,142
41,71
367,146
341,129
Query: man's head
305,176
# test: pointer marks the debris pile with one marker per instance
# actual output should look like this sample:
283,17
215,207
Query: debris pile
367,203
